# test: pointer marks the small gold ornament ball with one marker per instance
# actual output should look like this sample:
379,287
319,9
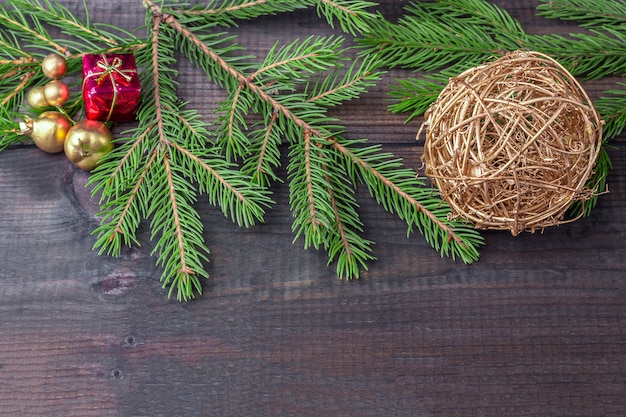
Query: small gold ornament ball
49,130
56,93
87,142
54,66
36,99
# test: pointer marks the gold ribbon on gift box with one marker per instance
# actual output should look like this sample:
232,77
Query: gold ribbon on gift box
109,70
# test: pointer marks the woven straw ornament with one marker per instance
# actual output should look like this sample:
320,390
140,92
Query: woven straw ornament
511,144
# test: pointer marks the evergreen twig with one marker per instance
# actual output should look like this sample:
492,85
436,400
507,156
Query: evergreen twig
447,37
587,13
320,158
151,175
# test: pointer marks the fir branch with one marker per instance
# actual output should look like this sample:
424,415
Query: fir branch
612,108
55,14
454,35
206,51
398,191
180,244
9,68
432,36
323,206
232,124
18,67
587,13
344,84
238,198
322,203
282,69
227,12
31,30
345,246
298,59
17,70
459,34
17,92
352,15
597,182
415,95
311,211
9,131
218,68
594,56
10,48
158,169
121,212
264,151
152,176
15,74
443,39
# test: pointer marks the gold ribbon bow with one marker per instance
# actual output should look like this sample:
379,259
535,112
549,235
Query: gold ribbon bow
110,69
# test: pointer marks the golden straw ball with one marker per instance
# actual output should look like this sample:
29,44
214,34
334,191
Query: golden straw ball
511,144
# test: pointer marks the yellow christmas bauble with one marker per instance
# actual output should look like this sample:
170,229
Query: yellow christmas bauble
87,142
36,99
56,93
54,66
48,131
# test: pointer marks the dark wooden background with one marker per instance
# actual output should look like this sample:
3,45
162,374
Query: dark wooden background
537,327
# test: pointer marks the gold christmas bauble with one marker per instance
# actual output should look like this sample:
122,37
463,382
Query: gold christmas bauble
54,66
36,99
48,131
56,93
87,142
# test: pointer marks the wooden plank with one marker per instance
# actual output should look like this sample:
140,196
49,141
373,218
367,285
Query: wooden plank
535,328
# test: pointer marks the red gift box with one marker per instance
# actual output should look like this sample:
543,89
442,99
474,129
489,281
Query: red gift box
111,89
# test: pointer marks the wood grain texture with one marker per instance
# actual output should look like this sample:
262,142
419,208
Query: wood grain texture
536,328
